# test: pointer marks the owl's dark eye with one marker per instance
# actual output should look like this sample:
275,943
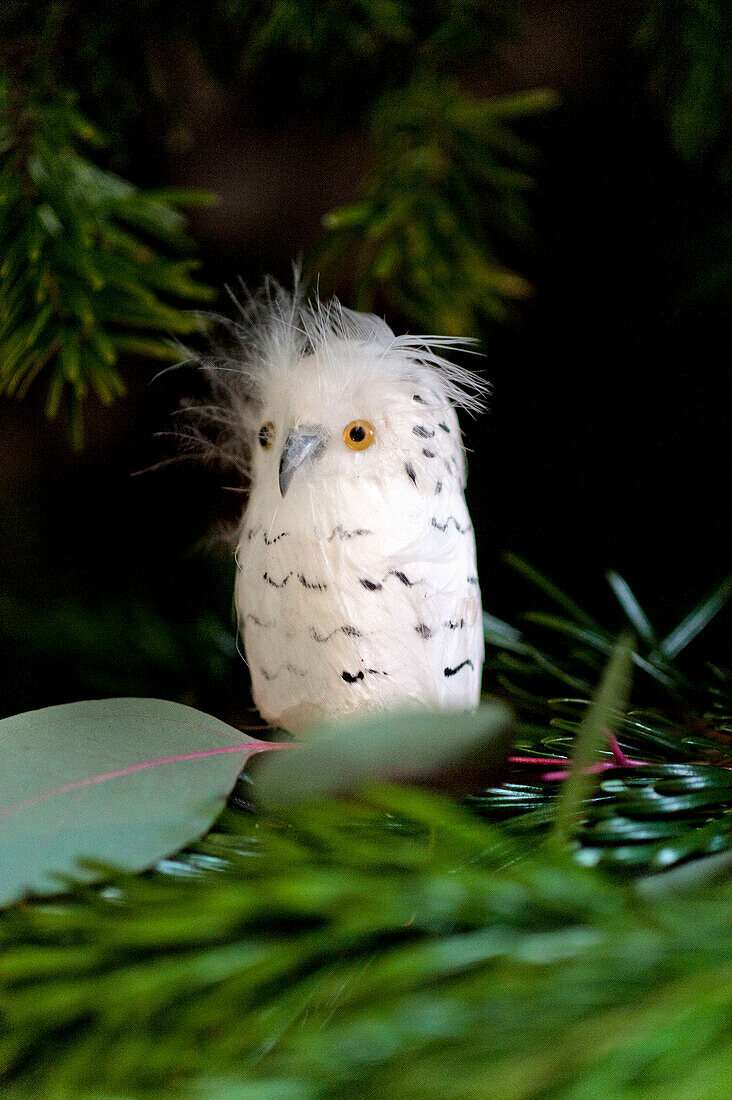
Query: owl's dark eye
266,435
358,435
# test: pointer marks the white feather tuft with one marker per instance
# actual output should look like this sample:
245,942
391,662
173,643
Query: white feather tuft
277,330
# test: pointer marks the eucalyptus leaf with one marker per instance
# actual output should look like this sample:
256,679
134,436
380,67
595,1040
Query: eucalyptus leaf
437,748
112,781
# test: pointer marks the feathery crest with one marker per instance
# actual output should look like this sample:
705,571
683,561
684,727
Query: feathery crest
277,329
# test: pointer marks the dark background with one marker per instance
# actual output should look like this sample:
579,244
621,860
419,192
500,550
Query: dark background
606,444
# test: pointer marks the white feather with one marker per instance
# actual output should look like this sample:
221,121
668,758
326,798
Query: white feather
358,588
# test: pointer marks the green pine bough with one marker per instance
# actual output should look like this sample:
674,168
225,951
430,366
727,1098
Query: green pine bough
89,264
446,191
397,943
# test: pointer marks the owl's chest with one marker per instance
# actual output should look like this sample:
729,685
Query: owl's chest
300,579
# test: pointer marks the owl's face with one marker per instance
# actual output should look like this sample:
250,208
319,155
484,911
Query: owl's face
339,419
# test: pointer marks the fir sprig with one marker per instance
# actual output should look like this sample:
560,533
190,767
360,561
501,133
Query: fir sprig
447,185
88,268
687,43
397,944
639,817
325,956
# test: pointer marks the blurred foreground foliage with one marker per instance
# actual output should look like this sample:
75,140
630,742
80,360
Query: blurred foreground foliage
387,946
398,943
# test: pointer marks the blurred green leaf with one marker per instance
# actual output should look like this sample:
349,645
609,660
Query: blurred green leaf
445,749
607,704
114,781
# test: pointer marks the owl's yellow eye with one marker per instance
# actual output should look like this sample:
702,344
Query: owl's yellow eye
266,435
358,435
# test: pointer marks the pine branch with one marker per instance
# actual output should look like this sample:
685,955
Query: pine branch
650,817
332,958
397,944
446,187
687,43
86,260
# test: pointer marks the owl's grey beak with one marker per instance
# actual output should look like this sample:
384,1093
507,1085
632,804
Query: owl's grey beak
307,443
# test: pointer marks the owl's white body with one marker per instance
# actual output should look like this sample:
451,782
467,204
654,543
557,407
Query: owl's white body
357,588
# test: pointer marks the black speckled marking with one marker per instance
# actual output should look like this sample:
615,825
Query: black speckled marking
271,542
351,679
472,580
409,470
370,586
428,453
419,399
266,577
423,630
423,431
402,577
288,667
438,488
455,624
463,664
312,587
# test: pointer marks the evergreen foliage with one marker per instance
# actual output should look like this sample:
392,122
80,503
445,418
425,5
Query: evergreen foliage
689,45
390,946
395,943
83,278
441,199
539,941
448,179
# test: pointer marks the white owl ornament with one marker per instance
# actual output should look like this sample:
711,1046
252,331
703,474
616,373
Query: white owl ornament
356,585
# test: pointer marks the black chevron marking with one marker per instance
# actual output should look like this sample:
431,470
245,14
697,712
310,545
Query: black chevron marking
446,524
409,470
351,631
423,630
257,621
463,664
472,580
313,587
285,579
423,432
419,399
340,532
444,427
455,624
438,488
428,453
402,577
376,586
271,542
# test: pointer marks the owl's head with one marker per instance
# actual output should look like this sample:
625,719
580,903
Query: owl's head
312,390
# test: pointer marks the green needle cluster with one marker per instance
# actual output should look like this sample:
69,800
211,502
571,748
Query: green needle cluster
88,267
